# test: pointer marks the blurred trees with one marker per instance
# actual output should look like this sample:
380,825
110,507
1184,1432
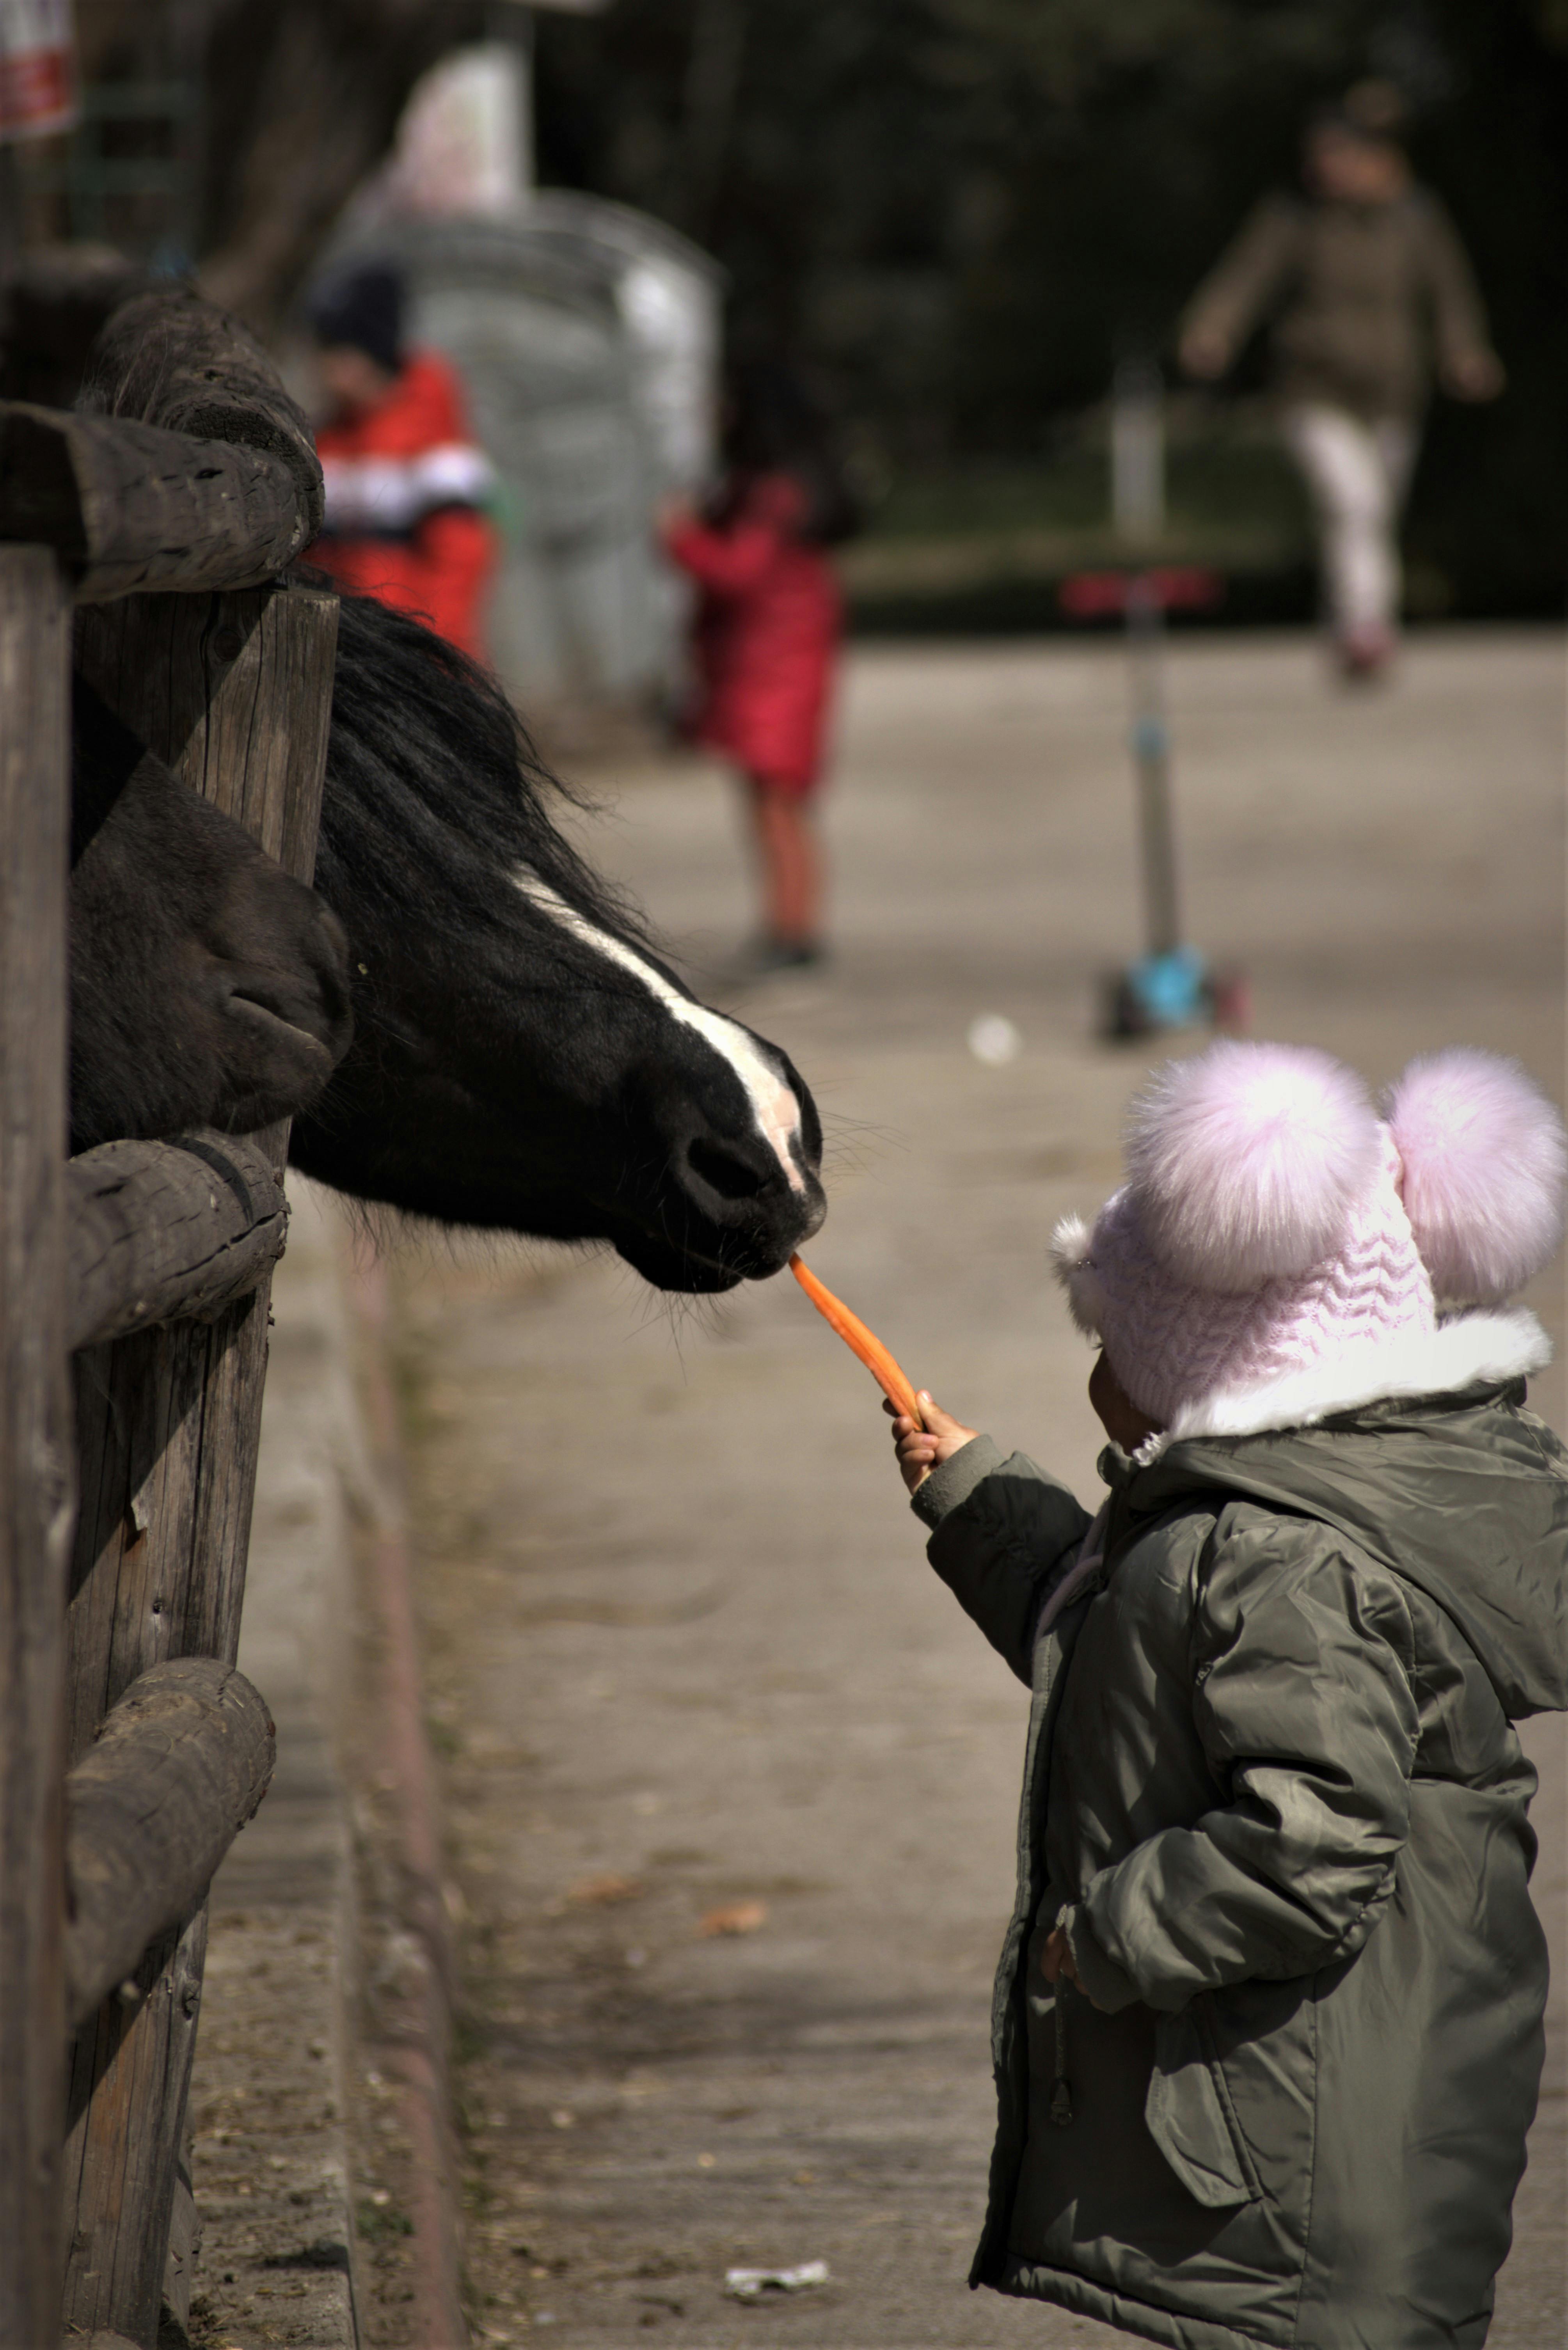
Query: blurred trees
962,210
270,113
302,99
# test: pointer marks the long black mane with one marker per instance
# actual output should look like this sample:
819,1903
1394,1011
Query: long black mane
432,771
512,1065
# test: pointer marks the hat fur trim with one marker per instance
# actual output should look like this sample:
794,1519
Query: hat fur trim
1075,1269
1462,1352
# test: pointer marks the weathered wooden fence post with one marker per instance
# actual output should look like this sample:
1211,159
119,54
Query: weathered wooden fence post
35,1480
192,472
234,691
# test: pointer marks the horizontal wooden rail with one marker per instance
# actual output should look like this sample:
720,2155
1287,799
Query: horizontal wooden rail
130,507
173,360
166,1232
178,1767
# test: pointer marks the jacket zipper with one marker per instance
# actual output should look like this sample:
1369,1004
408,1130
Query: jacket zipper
1061,2095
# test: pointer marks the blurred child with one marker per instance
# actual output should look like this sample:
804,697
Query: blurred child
405,482
1268,2028
768,624
1361,277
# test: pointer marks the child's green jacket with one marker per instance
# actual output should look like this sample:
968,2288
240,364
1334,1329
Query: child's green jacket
1273,1793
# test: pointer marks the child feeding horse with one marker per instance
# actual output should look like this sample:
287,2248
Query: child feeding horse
522,1059
1268,2030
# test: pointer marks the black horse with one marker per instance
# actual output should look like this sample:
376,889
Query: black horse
207,987
521,1058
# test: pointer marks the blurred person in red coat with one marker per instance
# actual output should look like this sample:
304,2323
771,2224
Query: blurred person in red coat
406,484
769,625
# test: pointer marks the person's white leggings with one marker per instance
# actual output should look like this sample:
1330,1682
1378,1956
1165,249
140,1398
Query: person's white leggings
1358,473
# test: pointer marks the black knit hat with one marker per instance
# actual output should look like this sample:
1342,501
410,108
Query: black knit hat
362,307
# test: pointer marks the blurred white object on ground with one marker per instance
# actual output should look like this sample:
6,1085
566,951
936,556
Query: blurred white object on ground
750,2285
993,1039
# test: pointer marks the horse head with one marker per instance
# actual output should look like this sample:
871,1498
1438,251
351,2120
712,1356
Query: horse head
207,987
523,1059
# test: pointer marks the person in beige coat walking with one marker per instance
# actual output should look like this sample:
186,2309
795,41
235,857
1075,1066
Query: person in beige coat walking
1367,284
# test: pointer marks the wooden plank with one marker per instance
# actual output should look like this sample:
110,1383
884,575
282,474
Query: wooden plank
128,508
234,691
176,1770
129,2069
35,1480
164,1231
173,360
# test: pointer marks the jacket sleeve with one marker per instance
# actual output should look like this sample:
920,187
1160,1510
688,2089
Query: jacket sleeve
1248,276
1003,1529
1303,1701
727,562
1459,315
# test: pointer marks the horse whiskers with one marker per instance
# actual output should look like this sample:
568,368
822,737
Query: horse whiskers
851,1146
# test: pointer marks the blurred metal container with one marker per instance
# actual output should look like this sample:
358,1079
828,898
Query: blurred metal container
587,339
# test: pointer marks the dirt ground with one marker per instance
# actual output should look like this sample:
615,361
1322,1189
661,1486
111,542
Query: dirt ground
687,1666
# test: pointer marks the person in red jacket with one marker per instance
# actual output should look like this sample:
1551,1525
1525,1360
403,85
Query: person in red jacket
405,482
768,624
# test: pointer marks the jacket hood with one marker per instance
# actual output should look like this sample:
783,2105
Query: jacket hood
1463,1495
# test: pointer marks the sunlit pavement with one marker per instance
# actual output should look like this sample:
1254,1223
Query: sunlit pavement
684,1652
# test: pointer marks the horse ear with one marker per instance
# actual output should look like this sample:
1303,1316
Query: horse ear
1245,1161
1485,1158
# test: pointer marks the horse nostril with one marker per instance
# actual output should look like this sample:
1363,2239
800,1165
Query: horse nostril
731,1176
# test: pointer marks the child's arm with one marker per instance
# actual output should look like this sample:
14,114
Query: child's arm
734,559
1002,1529
1301,1696
726,562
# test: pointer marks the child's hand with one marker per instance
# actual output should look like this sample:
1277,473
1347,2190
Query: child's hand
922,1449
1056,1959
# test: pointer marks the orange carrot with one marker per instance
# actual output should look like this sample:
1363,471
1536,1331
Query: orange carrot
861,1341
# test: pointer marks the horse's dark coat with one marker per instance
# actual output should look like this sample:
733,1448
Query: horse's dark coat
506,1070
207,987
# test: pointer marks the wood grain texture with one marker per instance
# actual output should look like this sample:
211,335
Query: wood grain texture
234,693
171,358
129,2067
128,508
161,1231
184,2242
175,1770
36,1482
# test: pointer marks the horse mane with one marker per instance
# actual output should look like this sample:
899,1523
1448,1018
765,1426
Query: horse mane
433,774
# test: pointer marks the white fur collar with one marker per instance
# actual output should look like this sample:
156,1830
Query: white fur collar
1462,1351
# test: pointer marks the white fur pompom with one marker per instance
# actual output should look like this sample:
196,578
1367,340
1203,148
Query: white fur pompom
1246,1161
1075,1272
1485,1159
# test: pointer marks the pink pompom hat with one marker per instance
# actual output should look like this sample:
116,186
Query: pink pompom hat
1283,1249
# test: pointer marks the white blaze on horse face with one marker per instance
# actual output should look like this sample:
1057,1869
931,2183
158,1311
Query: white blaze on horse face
774,1106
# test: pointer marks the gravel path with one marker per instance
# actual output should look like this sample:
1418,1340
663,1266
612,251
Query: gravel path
684,1654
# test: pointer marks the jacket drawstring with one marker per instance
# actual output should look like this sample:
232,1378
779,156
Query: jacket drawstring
1061,2095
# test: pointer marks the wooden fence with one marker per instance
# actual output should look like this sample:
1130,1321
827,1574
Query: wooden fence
134,1304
